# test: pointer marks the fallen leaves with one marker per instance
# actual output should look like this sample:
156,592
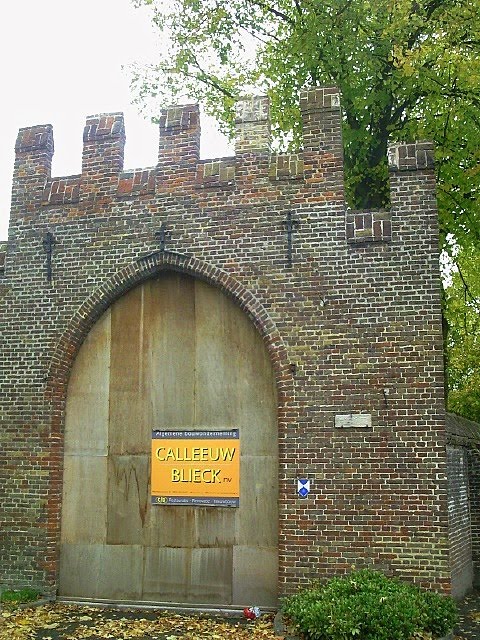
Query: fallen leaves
68,622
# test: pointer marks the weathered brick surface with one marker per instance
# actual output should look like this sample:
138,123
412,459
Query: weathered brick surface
408,157
368,226
3,251
352,327
464,511
459,520
474,495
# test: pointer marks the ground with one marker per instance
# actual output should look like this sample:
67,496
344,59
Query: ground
469,626
67,622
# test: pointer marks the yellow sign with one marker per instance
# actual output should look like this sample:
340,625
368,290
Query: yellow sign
196,468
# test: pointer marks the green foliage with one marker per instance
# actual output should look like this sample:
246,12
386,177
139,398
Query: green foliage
20,596
366,605
407,69
462,313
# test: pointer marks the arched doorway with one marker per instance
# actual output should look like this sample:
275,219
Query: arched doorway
174,353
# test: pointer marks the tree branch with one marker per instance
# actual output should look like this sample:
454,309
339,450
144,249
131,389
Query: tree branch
466,288
207,79
276,12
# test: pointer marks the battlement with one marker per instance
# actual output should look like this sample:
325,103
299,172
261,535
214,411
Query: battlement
317,169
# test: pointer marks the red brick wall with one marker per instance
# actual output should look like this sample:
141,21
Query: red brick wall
459,520
463,471
352,326
474,496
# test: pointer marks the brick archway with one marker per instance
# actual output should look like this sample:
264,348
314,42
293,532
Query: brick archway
87,315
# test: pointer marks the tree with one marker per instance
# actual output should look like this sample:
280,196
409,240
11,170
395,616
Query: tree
462,313
407,69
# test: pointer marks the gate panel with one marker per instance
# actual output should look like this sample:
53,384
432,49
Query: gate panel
174,353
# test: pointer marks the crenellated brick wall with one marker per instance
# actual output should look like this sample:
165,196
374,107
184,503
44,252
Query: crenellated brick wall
350,315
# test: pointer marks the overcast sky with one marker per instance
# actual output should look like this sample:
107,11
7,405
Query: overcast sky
61,61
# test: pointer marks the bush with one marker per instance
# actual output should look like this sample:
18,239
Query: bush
366,605
20,596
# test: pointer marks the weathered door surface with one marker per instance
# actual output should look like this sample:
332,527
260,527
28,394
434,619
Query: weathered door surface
174,353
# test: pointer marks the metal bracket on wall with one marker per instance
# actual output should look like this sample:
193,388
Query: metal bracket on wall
162,236
48,244
290,225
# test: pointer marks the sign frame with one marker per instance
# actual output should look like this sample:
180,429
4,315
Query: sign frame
195,468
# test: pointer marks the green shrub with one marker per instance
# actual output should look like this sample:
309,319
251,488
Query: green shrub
20,596
366,605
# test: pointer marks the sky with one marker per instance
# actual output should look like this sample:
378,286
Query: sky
62,60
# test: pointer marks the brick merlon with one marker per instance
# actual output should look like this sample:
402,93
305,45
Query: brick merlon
36,138
411,157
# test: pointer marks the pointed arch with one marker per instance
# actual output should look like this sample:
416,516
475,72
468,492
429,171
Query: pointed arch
91,310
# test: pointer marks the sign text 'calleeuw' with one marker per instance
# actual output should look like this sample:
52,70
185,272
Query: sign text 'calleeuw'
196,468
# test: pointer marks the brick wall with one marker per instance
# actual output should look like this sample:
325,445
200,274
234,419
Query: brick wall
474,496
464,501
350,316
3,251
459,520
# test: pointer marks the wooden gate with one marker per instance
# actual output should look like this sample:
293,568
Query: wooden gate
173,353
